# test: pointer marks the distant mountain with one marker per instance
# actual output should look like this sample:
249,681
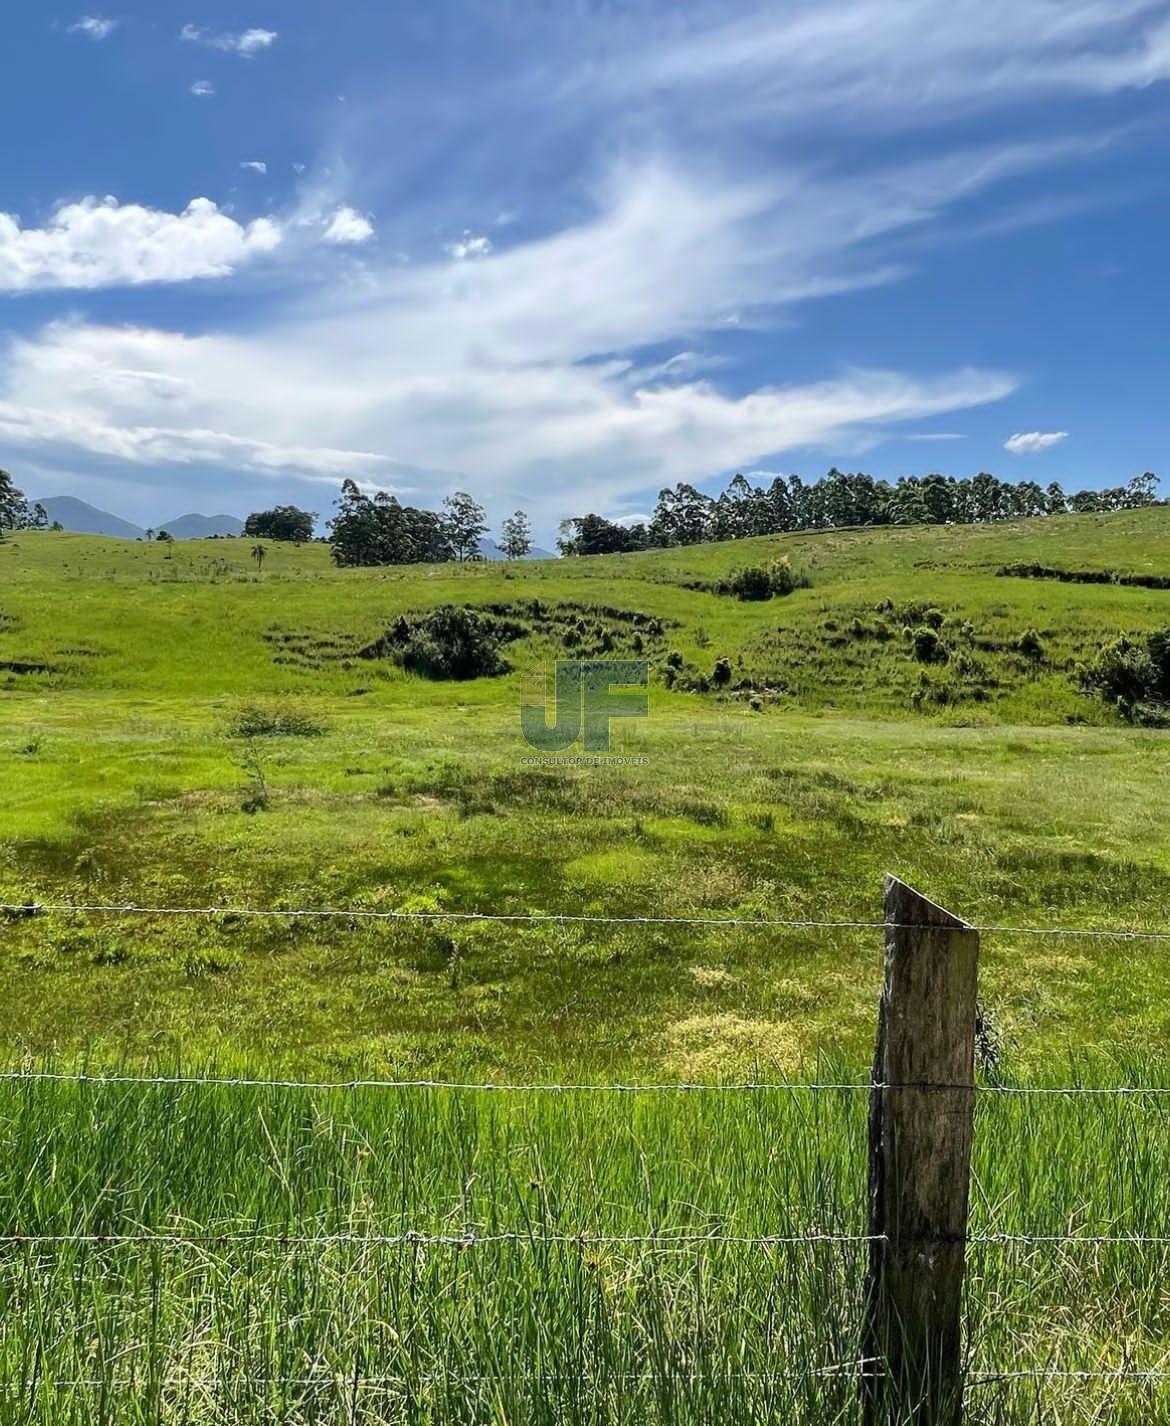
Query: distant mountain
83,519
202,527
491,551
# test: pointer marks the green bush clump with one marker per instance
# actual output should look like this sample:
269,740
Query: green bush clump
446,642
1030,645
254,721
758,582
1133,674
928,647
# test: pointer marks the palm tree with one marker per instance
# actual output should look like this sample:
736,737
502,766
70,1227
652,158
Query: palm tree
258,554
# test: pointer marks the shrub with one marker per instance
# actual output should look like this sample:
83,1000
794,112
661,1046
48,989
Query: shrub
928,647
445,643
1030,646
279,722
757,582
1133,674
721,674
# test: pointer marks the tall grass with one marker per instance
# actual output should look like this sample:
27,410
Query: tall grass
221,1321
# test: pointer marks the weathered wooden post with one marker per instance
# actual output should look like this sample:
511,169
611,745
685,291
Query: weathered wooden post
920,1131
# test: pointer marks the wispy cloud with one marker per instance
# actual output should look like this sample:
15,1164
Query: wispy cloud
545,367
254,165
829,59
245,43
203,89
1028,443
94,27
502,367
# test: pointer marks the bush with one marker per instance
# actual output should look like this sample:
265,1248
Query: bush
928,647
721,674
253,721
1134,675
757,582
1030,646
445,643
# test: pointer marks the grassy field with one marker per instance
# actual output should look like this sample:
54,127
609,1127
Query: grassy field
1018,800
130,676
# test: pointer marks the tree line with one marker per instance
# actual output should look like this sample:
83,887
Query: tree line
379,529
685,516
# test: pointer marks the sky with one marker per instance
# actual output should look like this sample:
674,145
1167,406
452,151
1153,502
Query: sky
562,253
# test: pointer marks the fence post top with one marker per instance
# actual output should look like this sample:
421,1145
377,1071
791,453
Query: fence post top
914,908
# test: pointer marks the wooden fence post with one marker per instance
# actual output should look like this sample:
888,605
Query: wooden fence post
920,1131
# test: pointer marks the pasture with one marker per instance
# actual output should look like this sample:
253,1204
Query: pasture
178,729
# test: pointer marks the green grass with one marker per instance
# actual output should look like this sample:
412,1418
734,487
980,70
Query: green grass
142,691
1019,800
551,1325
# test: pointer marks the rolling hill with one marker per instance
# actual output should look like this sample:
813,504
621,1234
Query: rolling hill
147,692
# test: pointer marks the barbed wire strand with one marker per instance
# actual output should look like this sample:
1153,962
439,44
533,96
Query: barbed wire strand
33,908
586,1087
667,1238
405,1384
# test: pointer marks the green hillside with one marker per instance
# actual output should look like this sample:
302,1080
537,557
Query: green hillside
839,747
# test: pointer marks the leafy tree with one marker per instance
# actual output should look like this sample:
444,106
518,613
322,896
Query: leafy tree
516,536
595,535
259,554
14,512
683,516
283,522
465,525
164,537
380,530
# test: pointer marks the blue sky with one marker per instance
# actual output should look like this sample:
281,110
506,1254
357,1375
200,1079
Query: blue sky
564,254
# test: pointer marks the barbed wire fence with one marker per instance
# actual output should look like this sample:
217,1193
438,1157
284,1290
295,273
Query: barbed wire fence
927,1375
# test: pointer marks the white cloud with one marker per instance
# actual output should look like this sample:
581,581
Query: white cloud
254,166
96,27
831,60
103,243
504,368
203,89
1030,442
469,246
347,225
245,43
